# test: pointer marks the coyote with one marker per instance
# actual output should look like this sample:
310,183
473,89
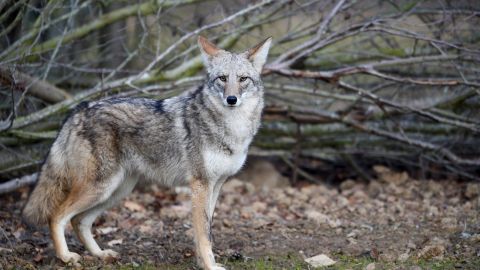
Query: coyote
198,138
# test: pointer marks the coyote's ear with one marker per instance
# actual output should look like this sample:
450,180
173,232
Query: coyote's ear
258,54
208,50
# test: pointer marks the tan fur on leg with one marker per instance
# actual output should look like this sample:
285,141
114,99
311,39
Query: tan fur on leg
57,229
82,223
78,200
201,227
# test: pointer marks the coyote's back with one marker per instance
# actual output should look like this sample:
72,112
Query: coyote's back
97,142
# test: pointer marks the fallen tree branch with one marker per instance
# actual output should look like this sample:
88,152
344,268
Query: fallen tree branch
35,87
138,9
16,183
395,136
333,77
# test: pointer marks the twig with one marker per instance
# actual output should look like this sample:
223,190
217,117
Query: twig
360,171
8,239
194,33
35,31
8,123
334,75
16,21
146,8
300,171
296,152
16,183
292,55
37,88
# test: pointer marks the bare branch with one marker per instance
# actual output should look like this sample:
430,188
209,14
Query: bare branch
395,136
288,57
144,9
36,87
17,183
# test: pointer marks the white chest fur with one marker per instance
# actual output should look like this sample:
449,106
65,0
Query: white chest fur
239,130
219,164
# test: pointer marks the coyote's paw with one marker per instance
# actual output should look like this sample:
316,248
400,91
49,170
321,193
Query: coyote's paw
70,257
107,254
218,266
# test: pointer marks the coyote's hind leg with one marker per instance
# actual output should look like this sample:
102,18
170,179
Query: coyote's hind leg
77,201
57,229
82,223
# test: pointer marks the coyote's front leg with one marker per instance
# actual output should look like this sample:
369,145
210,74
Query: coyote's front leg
201,195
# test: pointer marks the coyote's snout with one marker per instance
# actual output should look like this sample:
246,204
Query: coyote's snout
200,137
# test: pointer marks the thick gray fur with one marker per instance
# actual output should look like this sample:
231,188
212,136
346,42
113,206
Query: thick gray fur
196,138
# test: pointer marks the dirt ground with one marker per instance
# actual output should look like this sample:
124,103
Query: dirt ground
391,219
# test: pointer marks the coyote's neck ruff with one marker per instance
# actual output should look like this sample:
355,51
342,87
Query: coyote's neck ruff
200,137
220,134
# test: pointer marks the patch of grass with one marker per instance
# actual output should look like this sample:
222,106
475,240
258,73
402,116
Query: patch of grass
271,262
188,264
295,262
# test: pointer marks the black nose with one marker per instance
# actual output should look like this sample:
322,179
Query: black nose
232,100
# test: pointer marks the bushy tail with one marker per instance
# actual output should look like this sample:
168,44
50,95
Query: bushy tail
43,201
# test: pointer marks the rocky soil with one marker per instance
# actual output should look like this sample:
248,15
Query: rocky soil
391,219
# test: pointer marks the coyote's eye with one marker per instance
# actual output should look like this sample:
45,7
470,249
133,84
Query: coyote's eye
223,78
242,79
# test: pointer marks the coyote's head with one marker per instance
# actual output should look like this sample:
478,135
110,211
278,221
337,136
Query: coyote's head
234,78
